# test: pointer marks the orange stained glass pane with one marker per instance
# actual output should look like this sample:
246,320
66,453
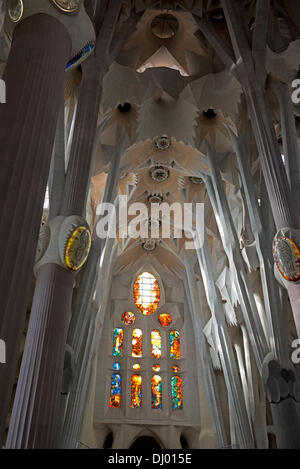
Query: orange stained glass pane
136,366
165,319
137,337
136,391
155,344
176,369
146,293
156,368
156,392
128,318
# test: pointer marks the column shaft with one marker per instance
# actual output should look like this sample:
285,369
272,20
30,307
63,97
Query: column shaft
36,405
34,78
78,173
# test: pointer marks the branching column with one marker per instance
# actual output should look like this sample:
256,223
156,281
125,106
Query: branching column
247,61
209,379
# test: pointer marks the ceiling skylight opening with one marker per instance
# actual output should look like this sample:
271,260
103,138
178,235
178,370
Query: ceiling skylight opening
163,58
46,199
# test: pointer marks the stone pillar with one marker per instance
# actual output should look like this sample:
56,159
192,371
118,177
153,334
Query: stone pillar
36,404
81,388
34,78
231,247
283,394
247,62
229,367
262,227
78,174
207,371
254,329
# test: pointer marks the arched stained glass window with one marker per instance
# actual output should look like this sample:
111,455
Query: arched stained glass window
174,344
156,392
146,293
176,390
136,391
117,342
137,338
155,344
115,391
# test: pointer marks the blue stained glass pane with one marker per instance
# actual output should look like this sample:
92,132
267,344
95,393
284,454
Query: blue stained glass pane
115,391
118,342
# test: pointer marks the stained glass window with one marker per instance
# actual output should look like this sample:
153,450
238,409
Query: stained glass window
116,366
118,342
156,392
128,318
174,344
176,390
137,337
115,391
146,293
136,366
164,319
176,369
136,391
156,368
155,344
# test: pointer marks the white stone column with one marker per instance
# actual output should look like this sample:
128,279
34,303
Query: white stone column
262,230
207,372
244,432
237,266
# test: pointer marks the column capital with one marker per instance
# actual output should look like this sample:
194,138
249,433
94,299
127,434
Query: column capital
280,383
65,241
76,21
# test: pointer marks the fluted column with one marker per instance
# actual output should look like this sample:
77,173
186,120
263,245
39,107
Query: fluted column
229,367
207,372
78,174
34,77
281,384
81,386
231,246
36,404
261,222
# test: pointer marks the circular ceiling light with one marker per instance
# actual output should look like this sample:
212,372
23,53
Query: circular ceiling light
164,26
155,199
217,14
159,173
163,142
209,113
149,245
125,107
